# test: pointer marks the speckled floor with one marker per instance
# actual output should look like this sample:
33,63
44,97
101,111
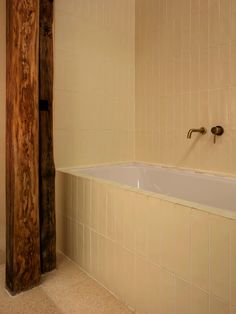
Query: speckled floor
66,290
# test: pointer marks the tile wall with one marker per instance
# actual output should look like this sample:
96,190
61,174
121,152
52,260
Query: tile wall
186,77
94,81
155,255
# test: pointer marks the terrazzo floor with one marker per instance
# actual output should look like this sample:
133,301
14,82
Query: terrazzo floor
66,290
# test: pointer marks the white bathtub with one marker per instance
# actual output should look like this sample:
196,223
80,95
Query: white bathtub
211,191
160,239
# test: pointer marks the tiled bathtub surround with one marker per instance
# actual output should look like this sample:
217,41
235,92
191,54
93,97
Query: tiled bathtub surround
185,78
155,255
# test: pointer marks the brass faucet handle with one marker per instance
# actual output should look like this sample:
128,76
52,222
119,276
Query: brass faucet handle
217,131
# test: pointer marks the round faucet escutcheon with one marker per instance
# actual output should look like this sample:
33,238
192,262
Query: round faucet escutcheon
217,131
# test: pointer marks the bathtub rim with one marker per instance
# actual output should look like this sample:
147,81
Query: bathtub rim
194,205
149,164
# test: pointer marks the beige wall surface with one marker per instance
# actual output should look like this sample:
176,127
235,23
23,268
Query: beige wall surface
94,81
185,78
2,122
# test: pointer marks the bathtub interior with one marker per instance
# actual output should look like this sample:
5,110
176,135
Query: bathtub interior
210,190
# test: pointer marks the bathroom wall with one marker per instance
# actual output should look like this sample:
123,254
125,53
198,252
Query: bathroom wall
2,124
186,77
94,81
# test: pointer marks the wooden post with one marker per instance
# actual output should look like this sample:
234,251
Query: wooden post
46,160
22,210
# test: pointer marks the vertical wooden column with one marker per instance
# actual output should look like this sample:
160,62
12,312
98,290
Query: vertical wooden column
46,160
22,210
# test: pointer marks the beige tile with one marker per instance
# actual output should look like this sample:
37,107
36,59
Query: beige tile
199,301
200,249
175,245
60,6
233,20
82,205
97,256
233,63
219,66
110,264
111,213
78,243
128,221
195,69
218,307
167,294
220,257
141,223
141,285
204,68
232,310
154,230
123,275
183,297
154,288
225,21
233,263
232,109
99,207
86,257
128,278
204,23
120,217
214,22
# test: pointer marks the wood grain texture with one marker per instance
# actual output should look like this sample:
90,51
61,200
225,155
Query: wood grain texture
22,210
46,160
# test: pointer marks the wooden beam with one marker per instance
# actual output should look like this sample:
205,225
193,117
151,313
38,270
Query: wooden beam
46,162
22,210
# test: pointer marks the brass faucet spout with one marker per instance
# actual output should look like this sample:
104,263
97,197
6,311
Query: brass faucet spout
202,131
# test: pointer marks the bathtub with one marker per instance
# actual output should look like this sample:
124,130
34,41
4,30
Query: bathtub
160,239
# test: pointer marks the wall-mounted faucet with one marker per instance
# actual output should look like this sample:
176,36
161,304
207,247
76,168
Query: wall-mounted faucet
202,131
